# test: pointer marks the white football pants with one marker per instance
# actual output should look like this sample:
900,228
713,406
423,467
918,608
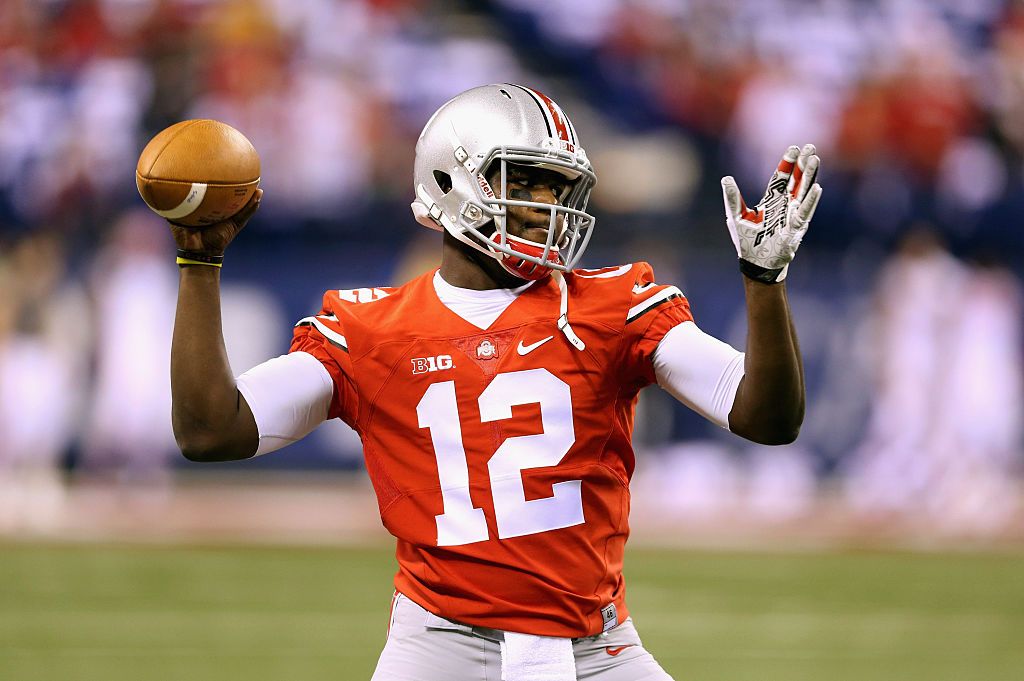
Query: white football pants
424,647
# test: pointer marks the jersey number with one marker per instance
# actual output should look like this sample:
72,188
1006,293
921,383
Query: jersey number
515,516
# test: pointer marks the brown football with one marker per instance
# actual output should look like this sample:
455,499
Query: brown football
198,172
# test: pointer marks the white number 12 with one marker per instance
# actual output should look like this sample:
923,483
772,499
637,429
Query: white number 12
461,522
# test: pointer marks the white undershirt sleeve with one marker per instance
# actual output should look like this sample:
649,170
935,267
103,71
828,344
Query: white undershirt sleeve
289,396
699,370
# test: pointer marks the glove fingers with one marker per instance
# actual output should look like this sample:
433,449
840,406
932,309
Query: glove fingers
734,208
781,178
734,203
807,207
788,159
809,178
805,172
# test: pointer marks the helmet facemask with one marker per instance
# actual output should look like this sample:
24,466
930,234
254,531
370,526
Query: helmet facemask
569,225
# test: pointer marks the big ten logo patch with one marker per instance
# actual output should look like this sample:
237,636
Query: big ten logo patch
422,365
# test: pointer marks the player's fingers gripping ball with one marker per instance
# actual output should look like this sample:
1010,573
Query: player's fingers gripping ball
198,173
214,239
767,237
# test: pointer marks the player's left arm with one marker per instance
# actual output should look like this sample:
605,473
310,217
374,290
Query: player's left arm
769,403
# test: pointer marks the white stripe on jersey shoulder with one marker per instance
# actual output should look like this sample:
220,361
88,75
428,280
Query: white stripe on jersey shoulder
331,335
665,294
600,273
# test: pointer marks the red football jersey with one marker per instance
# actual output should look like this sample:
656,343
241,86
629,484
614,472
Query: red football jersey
501,458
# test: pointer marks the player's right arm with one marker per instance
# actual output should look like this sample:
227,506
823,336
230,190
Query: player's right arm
211,419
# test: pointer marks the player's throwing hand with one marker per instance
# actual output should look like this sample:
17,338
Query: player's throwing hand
767,236
214,239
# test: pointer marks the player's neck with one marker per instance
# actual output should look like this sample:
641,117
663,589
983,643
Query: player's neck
466,268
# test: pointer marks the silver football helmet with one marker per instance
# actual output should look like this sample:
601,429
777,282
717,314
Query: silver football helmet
502,124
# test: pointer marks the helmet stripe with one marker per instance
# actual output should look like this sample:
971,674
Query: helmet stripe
540,105
558,117
572,131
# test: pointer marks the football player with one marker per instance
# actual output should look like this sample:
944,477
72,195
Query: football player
495,395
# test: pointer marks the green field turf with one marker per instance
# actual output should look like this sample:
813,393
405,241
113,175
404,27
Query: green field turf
71,613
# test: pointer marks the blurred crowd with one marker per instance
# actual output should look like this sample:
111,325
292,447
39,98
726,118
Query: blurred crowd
907,294
332,94
915,104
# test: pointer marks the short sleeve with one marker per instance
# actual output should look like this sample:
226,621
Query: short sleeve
653,309
322,336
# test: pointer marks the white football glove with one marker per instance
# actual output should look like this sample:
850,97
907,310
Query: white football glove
766,238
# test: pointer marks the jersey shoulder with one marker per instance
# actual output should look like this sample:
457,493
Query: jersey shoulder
348,297
369,316
330,325
626,292
372,302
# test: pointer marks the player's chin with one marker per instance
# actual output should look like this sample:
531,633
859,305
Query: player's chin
536,234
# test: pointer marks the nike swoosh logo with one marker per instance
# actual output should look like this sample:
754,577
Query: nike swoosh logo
615,651
527,349
640,288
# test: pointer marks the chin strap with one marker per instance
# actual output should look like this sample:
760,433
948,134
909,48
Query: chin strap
563,319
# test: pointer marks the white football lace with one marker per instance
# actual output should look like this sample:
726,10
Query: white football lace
563,318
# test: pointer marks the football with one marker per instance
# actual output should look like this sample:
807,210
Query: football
198,172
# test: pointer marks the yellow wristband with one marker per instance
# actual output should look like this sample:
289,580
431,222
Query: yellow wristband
186,261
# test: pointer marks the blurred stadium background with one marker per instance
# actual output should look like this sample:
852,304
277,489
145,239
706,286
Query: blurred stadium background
886,543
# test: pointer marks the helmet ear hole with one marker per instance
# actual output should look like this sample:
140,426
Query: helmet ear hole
444,181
